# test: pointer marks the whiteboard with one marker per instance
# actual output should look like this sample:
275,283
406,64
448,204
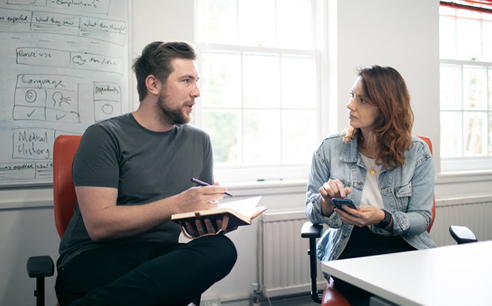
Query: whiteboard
64,65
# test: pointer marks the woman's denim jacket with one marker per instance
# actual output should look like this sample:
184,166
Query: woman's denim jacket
407,193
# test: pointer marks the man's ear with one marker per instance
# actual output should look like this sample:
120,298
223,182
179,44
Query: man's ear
153,85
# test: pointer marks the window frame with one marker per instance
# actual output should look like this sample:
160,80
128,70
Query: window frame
467,164
243,174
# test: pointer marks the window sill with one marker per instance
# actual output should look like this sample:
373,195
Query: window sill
299,186
458,176
267,187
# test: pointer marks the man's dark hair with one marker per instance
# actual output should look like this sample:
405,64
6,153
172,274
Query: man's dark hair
156,60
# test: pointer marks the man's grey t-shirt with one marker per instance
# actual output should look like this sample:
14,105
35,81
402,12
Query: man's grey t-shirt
143,165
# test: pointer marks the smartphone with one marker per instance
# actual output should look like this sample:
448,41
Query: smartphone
339,203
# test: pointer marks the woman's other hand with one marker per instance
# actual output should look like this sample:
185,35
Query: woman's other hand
362,216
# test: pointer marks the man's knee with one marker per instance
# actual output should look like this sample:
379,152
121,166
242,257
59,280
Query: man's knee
229,250
222,252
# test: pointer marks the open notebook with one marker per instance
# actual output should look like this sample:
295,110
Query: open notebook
240,212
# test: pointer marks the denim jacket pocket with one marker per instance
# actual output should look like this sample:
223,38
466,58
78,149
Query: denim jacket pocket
403,193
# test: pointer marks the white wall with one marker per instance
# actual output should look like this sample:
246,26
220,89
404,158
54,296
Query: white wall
398,33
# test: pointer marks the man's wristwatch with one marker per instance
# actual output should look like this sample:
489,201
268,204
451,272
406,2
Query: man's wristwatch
386,221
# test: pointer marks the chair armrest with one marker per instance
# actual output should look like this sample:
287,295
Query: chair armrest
462,234
313,231
40,266
309,230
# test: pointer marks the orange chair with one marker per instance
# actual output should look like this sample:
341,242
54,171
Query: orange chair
331,296
64,201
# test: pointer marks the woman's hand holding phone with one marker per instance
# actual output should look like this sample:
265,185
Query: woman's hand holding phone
361,216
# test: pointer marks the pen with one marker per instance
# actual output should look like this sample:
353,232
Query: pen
202,183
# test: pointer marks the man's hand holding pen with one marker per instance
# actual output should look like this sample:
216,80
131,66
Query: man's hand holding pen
202,183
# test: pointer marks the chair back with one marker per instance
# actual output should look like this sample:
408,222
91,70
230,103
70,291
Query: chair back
429,143
64,197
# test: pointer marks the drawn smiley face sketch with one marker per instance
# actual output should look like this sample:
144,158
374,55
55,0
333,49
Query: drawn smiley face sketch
31,96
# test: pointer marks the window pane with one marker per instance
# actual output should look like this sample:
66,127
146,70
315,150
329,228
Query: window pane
451,134
295,32
446,10
223,127
298,78
487,40
474,88
261,137
447,37
450,93
468,14
217,21
257,22
261,83
298,144
469,38
475,133
221,84
487,16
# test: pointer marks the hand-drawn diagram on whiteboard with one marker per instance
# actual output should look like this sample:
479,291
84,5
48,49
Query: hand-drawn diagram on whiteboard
46,97
64,67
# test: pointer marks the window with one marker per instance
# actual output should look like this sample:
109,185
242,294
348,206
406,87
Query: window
259,86
465,88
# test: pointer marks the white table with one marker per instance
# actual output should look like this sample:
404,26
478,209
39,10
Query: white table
458,275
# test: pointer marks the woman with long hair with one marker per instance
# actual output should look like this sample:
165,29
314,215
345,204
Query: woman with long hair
385,171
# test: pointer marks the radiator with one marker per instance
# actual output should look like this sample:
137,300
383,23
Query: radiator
475,213
283,259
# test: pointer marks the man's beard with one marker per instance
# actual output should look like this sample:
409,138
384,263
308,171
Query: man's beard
169,115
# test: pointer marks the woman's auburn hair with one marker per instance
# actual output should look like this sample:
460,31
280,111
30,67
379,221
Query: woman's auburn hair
385,88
